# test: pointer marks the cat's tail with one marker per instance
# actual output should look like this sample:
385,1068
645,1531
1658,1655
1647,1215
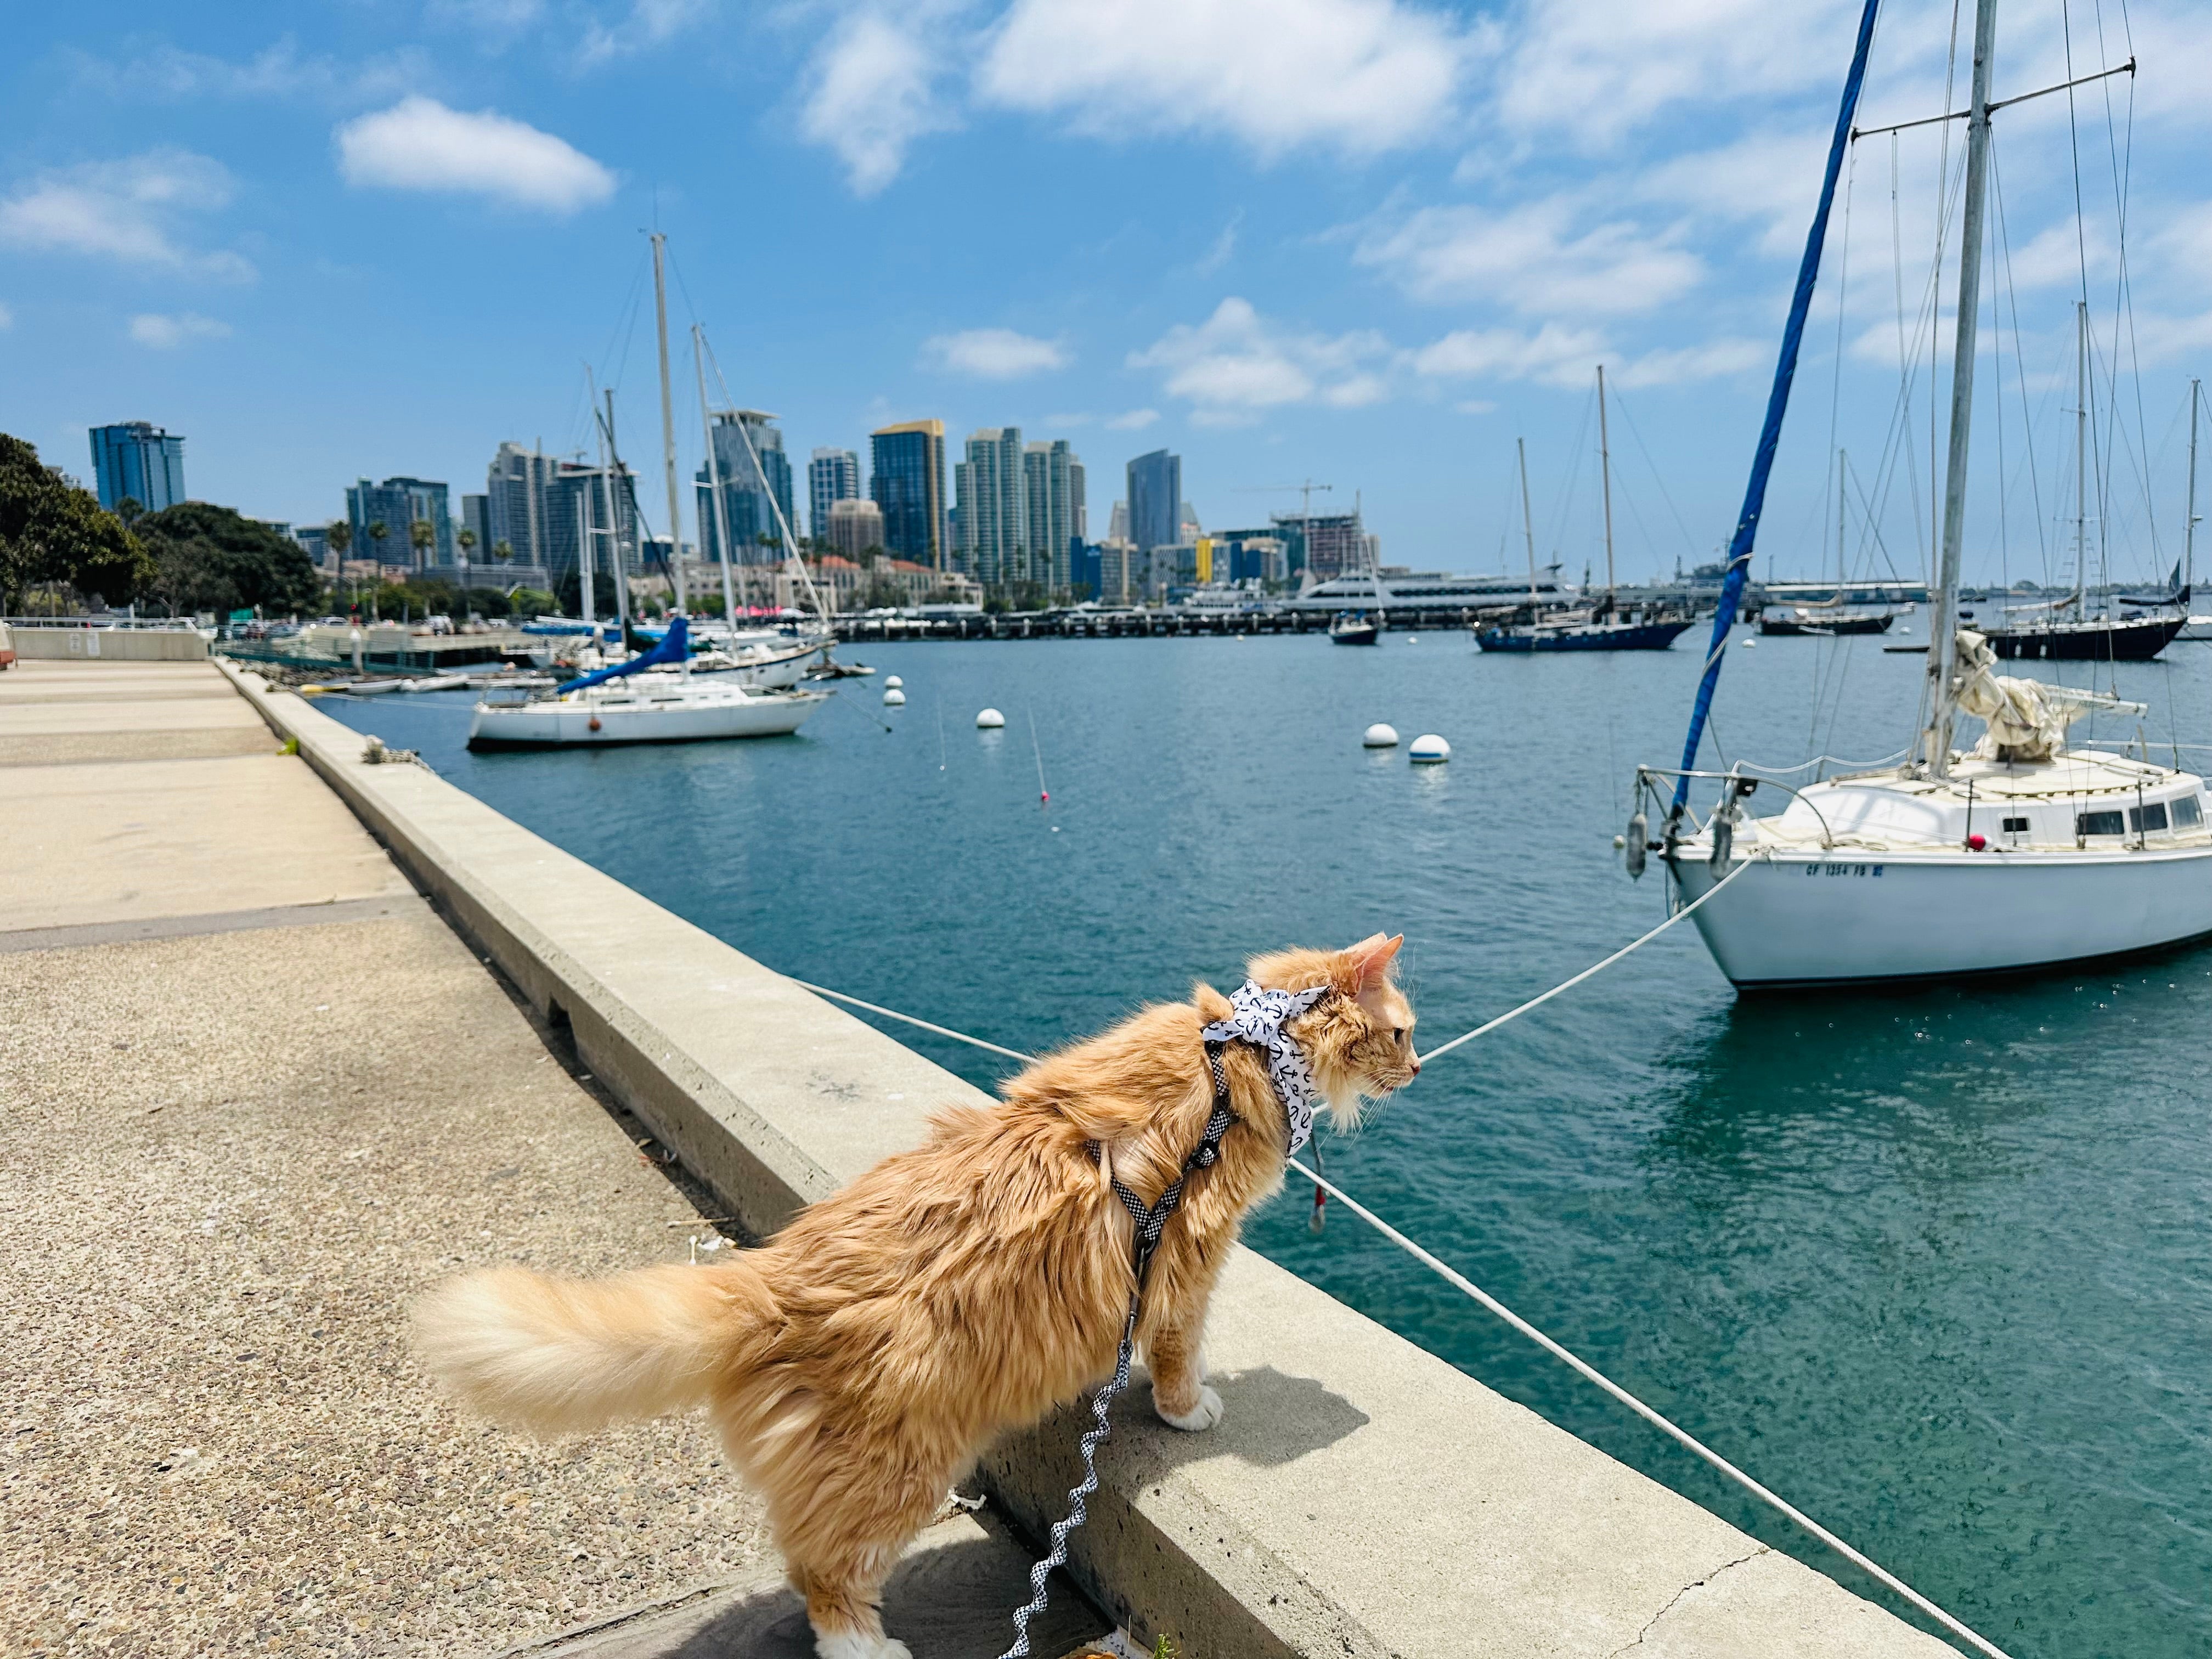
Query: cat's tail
556,1355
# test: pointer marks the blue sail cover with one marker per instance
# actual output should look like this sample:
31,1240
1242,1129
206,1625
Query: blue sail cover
675,646
1778,403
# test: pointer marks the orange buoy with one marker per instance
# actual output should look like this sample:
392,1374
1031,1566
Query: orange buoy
595,723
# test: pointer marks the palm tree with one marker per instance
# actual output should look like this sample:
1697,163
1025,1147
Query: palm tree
422,536
465,538
339,538
503,549
378,530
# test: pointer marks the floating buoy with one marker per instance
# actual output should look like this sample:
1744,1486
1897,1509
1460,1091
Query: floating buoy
893,684
1747,644
989,720
1428,749
593,723
1380,736
893,697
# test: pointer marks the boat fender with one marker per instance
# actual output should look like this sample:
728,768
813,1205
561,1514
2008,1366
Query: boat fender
1976,842
593,723
1639,830
1723,829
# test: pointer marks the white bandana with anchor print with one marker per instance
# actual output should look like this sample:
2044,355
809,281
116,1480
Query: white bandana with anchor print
1259,1019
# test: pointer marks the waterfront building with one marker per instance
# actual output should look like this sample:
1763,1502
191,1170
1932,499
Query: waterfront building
1084,574
399,504
575,517
755,476
854,527
1117,522
1155,499
516,510
1120,580
832,476
1327,544
476,519
315,540
991,485
907,481
1052,480
138,461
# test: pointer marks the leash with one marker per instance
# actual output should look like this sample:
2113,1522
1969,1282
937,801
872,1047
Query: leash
1150,1221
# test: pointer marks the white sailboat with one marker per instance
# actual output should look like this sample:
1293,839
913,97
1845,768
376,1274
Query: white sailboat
654,697
2018,853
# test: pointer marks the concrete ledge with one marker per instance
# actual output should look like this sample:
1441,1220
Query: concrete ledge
108,644
1361,1498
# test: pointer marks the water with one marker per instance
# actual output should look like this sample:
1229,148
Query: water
1930,1263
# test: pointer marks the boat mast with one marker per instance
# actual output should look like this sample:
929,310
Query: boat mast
714,485
1527,525
1943,649
1843,563
2189,525
668,420
584,561
610,458
2080,453
1605,479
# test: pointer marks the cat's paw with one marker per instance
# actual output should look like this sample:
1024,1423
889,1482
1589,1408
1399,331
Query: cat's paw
1204,1415
856,1644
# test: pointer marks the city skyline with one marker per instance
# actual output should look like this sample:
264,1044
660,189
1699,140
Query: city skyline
374,245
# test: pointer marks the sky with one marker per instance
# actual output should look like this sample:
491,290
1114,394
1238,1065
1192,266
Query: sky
1365,243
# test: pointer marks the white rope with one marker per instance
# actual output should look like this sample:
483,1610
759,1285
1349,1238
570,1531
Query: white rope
893,1013
1470,1288
1590,972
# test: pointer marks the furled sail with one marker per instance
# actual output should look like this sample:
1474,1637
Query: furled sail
2027,719
674,648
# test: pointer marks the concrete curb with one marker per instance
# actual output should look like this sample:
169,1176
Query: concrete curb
1361,1498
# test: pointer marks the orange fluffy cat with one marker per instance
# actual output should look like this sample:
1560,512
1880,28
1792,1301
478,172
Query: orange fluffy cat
859,1362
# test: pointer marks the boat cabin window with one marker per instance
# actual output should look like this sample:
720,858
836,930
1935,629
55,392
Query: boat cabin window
2142,820
2098,824
2188,813
2015,826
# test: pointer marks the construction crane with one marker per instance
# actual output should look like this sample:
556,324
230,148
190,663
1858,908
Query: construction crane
1305,506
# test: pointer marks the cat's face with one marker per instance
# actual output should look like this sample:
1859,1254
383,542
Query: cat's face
1364,1048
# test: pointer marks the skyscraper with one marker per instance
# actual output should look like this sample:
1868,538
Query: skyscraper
756,481
993,543
399,504
476,519
575,516
1053,482
832,476
906,464
854,526
1154,501
140,462
514,488
1327,544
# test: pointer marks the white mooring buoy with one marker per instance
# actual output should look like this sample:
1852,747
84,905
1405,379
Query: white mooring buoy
1747,644
1380,736
1428,749
989,720
893,684
893,697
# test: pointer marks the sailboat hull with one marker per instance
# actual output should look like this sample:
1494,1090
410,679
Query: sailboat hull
1588,636
2135,641
1851,916
586,722
1790,627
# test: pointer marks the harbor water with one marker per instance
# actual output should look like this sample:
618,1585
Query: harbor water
1932,1263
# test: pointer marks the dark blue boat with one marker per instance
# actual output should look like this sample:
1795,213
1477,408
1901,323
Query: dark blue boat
1583,636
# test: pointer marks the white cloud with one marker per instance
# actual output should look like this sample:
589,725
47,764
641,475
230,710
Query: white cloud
1533,258
1223,248
1135,420
650,23
277,71
1236,364
420,145
1714,360
1554,355
874,93
167,333
1362,75
7,318
994,353
126,211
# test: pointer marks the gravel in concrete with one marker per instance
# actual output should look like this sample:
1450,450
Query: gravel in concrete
224,1163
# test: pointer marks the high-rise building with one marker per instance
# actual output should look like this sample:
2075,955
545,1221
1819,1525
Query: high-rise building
514,488
832,476
1082,521
1053,482
399,504
575,517
854,528
994,522
1156,501
755,477
476,519
1327,543
907,481
1117,522
139,462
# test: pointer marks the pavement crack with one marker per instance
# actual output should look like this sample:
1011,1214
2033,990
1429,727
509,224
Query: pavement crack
1652,1624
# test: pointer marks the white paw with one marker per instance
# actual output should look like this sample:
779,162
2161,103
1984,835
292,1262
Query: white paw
855,1644
1203,1415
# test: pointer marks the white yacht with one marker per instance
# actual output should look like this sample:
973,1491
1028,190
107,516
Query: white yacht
2021,852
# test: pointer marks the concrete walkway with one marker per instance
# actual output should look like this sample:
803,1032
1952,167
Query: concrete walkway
253,1095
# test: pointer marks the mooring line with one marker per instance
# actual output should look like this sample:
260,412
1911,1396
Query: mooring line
1470,1289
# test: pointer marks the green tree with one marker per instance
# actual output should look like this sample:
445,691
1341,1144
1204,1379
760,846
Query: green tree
214,558
378,530
53,532
503,549
527,602
422,536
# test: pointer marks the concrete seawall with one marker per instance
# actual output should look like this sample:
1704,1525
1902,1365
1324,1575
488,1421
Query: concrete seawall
1360,1497
35,644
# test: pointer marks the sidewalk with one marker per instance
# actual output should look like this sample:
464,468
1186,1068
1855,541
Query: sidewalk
255,1094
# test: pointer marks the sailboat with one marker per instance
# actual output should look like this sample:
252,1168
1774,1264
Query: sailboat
2018,853
2065,632
1597,628
1827,618
651,697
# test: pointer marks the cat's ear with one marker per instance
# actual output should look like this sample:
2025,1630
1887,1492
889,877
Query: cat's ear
1368,961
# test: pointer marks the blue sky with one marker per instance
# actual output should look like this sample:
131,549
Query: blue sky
1362,241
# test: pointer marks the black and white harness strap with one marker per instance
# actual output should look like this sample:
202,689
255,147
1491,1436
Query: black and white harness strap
1150,1221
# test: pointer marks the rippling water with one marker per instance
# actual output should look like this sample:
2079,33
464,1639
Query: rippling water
1933,1264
